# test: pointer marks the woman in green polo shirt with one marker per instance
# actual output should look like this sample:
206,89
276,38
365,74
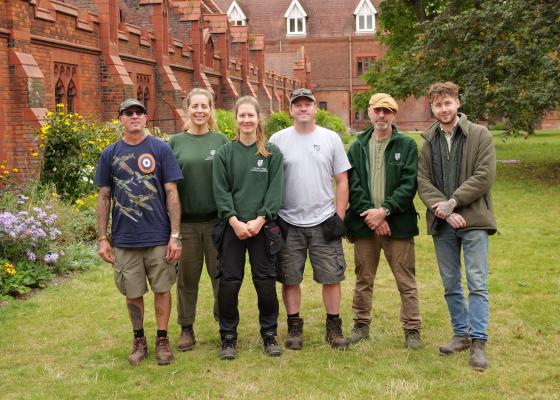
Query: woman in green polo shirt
195,149
248,179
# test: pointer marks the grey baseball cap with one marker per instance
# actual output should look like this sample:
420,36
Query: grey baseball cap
130,103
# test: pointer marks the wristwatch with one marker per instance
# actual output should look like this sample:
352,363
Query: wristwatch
387,211
176,235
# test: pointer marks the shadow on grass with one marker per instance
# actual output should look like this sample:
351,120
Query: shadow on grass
547,172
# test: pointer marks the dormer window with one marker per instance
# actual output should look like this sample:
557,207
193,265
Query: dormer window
236,14
295,19
365,17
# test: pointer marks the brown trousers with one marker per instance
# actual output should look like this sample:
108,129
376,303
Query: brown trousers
198,249
401,258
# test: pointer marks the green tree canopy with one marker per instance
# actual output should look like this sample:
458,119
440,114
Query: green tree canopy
504,54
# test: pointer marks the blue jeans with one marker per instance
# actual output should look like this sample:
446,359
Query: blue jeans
472,318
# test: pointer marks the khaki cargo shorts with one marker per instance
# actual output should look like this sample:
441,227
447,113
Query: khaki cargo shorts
134,265
327,257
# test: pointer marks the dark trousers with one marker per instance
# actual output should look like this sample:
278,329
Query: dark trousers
232,269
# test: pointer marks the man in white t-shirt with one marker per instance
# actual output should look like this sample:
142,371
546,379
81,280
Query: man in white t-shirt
311,215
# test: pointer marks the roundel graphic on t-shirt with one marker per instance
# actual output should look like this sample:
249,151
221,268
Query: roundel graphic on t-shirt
146,163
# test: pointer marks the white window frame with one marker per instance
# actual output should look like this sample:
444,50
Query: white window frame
236,15
296,18
365,17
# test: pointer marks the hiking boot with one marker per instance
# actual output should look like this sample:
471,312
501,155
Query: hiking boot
186,340
139,351
412,339
458,343
164,355
229,344
334,334
271,347
478,360
359,332
294,341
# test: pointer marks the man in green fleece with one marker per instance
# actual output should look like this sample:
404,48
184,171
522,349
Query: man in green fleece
382,216
456,171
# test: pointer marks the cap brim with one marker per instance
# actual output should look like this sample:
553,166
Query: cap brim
307,96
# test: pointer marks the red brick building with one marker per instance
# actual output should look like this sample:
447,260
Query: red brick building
92,54
338,40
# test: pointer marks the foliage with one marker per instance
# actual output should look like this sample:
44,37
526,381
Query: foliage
20,278
503,54
330,121
276,122
72,145
40,234
281,120
226,122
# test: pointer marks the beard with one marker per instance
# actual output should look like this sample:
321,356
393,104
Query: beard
382,126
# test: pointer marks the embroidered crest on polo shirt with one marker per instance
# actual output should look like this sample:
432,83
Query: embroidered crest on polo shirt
259,167
316,149
397,156
211,155
146,163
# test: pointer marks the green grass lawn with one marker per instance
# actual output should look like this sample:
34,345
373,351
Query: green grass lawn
72,341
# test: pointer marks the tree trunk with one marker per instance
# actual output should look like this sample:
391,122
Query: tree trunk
419,9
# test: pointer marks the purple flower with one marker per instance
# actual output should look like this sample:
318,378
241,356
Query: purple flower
51,219
31,256
51,258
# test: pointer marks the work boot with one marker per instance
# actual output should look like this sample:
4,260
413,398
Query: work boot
458,343
412,339
478,360
271,347
359,332
186,340
294,341
164,355
334,334
229,345
139,351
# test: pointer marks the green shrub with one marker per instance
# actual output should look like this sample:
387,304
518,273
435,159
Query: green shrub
226,122
71,147
276,122
330,121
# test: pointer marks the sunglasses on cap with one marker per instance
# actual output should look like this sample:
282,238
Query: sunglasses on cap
130,113
302,92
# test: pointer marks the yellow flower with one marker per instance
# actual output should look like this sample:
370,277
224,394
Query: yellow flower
35,154
61,105
2,166
6,172
80,202
54,194
15,170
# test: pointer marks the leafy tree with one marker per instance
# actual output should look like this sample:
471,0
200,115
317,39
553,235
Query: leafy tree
503,54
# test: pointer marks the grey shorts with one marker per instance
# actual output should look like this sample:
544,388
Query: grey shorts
134,265
327,257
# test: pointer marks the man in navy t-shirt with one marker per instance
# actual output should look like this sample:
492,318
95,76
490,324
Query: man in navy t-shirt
138,175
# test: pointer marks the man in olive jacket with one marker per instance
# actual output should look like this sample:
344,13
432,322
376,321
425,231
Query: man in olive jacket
382,216
456,171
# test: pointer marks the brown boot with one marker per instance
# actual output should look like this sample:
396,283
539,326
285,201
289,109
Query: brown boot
164,355
187,340
294,341
458,343
478,360
139,351
334,334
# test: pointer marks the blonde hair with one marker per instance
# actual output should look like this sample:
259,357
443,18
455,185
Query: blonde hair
261,139
442,89
212,125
